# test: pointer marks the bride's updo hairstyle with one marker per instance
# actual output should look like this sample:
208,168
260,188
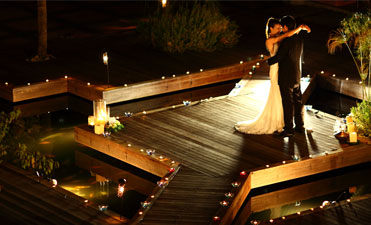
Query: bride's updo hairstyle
270,24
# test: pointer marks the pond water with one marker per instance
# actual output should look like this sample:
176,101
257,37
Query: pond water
93,175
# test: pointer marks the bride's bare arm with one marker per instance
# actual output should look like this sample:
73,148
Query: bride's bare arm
279,38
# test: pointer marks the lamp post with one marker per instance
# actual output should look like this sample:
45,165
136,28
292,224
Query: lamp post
163,3
105,62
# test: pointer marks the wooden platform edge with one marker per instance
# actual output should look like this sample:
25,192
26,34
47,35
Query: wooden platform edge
296,169
299,193
345,87
127,154
182,82
124,93
38,90
349,202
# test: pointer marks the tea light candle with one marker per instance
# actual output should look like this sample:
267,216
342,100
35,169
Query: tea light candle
91,120
353,137
351,127
99,128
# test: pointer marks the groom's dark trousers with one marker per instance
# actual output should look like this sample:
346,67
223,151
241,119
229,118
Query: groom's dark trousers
289,58
292,107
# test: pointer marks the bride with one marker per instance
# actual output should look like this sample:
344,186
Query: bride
270,119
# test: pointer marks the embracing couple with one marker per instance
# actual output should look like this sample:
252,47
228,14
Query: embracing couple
283,106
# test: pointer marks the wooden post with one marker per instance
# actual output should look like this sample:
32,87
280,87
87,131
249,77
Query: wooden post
42,28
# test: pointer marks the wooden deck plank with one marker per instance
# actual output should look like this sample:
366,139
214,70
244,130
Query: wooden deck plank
202,138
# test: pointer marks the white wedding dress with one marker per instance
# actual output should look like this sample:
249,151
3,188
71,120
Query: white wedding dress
270,119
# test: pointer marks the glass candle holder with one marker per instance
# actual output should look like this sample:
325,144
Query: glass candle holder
100,111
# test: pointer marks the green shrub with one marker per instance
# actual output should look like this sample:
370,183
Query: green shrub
17,143
190,26
362,117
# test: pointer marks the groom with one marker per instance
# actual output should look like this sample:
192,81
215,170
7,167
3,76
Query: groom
289,58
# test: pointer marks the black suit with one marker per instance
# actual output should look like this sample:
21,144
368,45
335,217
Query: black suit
289,58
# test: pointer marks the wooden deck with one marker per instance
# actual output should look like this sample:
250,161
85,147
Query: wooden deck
201,137
26,200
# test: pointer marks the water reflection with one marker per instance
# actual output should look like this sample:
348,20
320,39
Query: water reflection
88,173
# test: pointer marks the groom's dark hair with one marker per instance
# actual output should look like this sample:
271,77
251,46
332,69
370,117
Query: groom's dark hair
289,21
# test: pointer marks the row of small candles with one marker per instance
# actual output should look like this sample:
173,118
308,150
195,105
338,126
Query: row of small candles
324,204
163,77
201,70
237,184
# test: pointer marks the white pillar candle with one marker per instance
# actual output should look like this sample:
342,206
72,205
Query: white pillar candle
351,127
353,137
99,129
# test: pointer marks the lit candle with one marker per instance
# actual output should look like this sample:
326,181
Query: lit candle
100,120
349,119
224,203
353,137
99,128
351,127
91,120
